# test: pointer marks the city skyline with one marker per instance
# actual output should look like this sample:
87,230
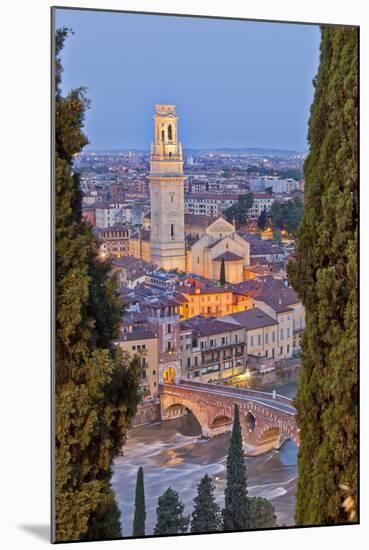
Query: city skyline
255,102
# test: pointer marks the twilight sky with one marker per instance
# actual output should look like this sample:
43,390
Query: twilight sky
235,83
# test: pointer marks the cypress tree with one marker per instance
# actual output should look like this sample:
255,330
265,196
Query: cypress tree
262,514
140,509
206,516
169,514
222,278
236,512
325,277
95,392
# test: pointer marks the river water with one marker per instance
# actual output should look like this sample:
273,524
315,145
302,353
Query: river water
172,454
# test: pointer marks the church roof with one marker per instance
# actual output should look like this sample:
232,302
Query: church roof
228,257
198,220
212,244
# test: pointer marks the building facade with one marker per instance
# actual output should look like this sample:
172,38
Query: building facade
212,350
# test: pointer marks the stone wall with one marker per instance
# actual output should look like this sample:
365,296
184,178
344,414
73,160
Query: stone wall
147,413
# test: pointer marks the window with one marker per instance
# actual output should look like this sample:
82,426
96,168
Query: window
169,346
143,346
273,336
259,339
281,350
251,341
170,132
133,347
294,324
282,335
188,362
154,372
169,329
172,230
196,363
236,338
266,337
198,259
162,135
288,332
288,348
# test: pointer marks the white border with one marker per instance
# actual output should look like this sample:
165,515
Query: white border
25,228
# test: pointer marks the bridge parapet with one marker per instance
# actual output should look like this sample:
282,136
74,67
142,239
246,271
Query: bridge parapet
265,422
241,391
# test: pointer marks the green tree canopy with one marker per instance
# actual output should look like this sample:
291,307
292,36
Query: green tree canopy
239,210
140,509
222,277
287,215
96,394
236,512
325,277
206,516
262,514
262,219
169,514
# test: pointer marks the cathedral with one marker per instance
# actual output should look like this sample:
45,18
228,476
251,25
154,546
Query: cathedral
166,244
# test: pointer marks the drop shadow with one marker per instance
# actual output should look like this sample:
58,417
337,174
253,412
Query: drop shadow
40,531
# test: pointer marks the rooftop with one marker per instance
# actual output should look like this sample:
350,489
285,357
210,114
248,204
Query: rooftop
228,256
202,326
253,318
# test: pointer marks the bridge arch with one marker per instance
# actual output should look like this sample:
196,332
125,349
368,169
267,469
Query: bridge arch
171,410
221,420
250,421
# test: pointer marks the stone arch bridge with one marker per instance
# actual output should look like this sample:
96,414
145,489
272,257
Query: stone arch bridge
267,419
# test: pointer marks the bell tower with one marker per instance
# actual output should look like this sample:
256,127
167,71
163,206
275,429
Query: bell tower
167,198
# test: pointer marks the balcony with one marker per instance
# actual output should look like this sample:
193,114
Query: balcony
210,360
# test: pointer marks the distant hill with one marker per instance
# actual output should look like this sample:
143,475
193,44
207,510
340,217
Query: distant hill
258,151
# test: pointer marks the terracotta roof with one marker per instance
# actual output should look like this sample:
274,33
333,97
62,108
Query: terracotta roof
228,257
271,291
138,333
198,220
203,326
253,318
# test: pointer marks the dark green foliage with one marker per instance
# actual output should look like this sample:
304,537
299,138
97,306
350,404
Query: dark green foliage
169,515
206,516
222,277
236,512
325,277
262,514
262,219
96,393
239,211
287,215
140,509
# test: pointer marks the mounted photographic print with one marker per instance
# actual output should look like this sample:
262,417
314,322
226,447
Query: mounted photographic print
205,230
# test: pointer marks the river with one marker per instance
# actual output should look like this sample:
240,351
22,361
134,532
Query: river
172,454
